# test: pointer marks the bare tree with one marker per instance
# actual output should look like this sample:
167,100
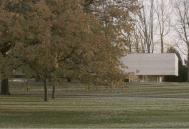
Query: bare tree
145,27
136,41
163,19
182,9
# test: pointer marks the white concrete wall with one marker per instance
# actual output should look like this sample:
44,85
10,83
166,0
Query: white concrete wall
151,64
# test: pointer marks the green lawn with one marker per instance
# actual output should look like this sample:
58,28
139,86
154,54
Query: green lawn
140,106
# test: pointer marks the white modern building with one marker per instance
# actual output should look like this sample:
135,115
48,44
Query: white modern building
150,67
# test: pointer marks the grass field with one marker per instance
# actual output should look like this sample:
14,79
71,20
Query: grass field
142,105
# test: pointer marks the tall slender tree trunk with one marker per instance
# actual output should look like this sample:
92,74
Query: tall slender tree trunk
4,82
130,45
137,46
148,48
188,66
53,91
5,87
68,79
45,90
162,45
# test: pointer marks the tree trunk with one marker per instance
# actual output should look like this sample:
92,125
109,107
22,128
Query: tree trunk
53,91
148,48
68,79
188,66
5,87
137,47
45,90
162,45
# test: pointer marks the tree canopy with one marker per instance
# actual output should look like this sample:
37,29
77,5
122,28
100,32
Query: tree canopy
60,38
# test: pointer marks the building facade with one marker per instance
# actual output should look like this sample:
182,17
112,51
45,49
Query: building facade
150,67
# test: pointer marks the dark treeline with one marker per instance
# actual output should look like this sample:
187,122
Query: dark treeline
182,77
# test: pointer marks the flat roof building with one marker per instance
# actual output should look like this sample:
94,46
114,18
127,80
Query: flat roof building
151,65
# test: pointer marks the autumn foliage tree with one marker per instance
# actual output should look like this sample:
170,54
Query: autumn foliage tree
8,39
117,17
61,38
9,36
